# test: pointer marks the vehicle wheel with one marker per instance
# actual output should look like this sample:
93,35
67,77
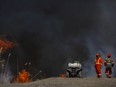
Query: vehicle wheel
80,74
67,74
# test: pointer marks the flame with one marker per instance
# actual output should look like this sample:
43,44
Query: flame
23,77
5,45
62,75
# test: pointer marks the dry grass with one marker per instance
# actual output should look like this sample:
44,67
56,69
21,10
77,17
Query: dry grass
68,82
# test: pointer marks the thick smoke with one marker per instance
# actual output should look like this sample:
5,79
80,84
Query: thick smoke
50,33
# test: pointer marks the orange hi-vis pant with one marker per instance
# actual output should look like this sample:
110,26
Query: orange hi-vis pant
98,69
98,64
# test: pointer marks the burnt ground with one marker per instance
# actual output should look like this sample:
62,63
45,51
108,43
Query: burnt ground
67,82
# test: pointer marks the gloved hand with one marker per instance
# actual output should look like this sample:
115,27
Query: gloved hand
112,65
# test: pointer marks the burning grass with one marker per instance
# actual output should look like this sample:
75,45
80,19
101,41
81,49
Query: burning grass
22,77
62,75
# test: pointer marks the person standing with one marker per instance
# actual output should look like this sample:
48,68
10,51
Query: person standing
108,63
98,65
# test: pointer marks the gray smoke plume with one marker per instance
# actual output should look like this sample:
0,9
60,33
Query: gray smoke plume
50,33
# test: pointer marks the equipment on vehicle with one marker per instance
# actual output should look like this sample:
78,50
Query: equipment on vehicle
74,69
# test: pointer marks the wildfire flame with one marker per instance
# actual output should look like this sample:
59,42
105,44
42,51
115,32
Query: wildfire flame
23,77
5,45
62,75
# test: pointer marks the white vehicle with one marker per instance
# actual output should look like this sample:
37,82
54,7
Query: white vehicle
74,70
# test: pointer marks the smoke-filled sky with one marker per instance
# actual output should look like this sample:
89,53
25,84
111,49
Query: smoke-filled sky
50,33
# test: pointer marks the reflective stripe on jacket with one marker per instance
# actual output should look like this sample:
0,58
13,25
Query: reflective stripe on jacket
98,61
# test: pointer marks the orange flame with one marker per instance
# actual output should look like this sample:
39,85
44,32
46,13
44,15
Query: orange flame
23,77
5,45
62,75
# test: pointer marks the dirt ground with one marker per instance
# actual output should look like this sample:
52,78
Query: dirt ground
67,82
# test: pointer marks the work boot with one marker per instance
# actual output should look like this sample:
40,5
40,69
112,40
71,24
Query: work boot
99,76
107,75
110,76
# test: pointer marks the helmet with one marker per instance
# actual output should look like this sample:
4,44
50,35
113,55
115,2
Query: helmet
97,55
109,55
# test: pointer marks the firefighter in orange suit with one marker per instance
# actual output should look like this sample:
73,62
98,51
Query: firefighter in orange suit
98,65
108,63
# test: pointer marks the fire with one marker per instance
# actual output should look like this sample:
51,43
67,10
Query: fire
23,77
5,45
62,75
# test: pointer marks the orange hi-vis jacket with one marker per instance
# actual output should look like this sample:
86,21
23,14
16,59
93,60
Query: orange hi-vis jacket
98,63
